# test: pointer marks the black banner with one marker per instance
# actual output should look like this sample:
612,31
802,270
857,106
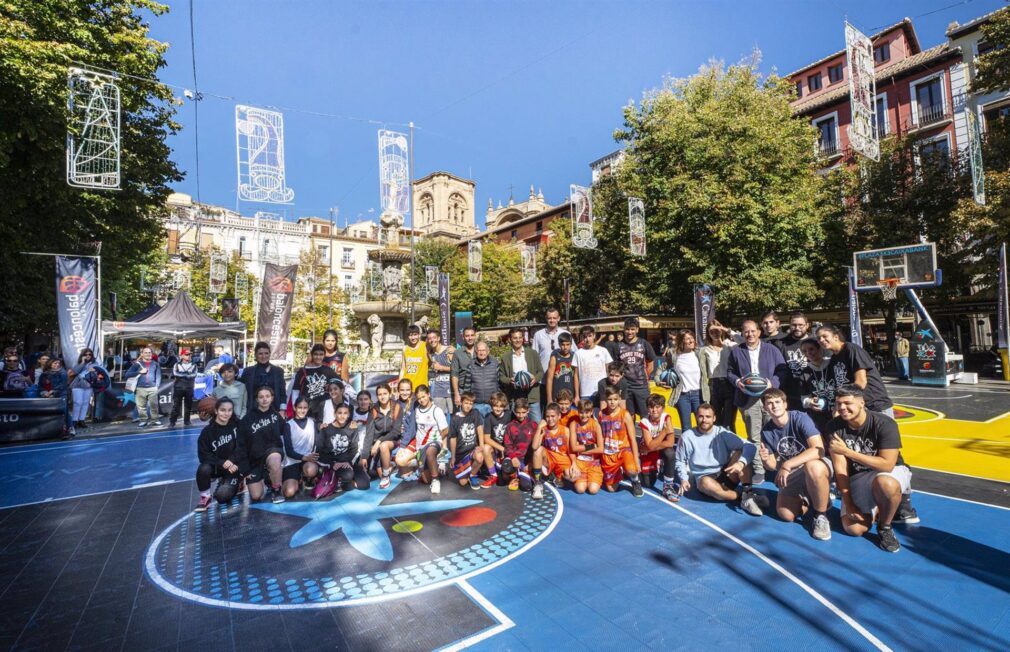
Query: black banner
464,320
274,320
443,307
28,419
76,306
1002,316
855,323
704,311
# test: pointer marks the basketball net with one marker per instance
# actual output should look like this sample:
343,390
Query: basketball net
888,288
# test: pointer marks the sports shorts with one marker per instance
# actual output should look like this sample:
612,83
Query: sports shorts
615,466
861,486
258,468
461,469
649,461
556,462
796,484
590,471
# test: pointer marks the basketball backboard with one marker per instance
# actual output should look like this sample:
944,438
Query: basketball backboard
913,266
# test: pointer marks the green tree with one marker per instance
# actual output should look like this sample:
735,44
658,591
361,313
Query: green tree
993,68
501,296
310,314
39,41
731,194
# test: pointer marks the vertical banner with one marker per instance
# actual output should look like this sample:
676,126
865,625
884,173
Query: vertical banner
1002,308
394,172
582,218
975,154
93,132
862,94
218,278
273,324
927,364
443,307
636,225
855,324
242,288
113,307
76,306
704,310
464,320
475,261
528,258
259,143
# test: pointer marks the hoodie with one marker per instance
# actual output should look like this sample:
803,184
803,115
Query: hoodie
218,444
339,444
261,433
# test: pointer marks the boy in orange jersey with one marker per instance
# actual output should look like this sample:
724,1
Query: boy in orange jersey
585,440
568,411
620,446
657,440
550,451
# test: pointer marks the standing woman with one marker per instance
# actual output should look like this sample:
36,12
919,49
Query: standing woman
716,351
301,459
40,367
80,387
692,372
333,358
53,384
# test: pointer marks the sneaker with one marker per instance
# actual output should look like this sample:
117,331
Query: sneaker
203,504
156,422
413,476
436,486
886,539
538,491
171,424
475,482
636,489
384,482
906,513
749,505
141,424
490,482
556,481
821,529
514,484
277,496
759,477
670,492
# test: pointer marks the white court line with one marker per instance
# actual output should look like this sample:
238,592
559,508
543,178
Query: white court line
984,441
113,439
94,493
504,622
849,620
963,500
935,398
963,475
997,417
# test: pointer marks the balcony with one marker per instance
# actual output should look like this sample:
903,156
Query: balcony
346,263
828,149
928,117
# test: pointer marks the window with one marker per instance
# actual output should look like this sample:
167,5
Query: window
241,246
827,135
814,82
983,48
324,252
540,227
882,53
347,257
934,151
995,113
880,116
835,73
799,89
928,101
348,283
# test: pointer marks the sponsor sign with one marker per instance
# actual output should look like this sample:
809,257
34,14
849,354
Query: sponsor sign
76,305
274,320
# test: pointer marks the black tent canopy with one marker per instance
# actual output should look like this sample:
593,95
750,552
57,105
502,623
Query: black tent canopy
179,318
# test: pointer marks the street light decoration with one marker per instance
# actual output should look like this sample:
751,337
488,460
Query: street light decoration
582,218
259,138
93,132
475,261
636,225
528,258
862,93
394,172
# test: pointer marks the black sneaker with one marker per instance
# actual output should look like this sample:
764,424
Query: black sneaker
636,489
886,539
906,513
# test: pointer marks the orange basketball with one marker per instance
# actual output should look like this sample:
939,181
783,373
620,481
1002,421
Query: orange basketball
205,408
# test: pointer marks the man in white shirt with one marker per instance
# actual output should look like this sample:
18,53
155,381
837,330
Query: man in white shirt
545,341
591,362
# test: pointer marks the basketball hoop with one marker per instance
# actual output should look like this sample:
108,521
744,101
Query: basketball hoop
888,288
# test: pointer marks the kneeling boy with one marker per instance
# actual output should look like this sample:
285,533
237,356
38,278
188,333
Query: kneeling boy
466,432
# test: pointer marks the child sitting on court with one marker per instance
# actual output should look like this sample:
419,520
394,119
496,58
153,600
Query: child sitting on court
219,450
657,440
518,437
620,446
466,430
550,451
493,441
422,439
585,440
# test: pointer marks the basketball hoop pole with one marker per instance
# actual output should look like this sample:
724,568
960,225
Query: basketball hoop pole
98,288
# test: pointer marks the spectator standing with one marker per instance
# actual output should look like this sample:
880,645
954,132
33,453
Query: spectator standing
80,388
483,377
184,372
149,380
264,374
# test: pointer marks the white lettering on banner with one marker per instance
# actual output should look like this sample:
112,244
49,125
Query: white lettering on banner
78,337
277,323
10,418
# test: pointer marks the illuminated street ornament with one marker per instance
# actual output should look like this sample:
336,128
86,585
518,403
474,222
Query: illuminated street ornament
180,279
975,153
475,261
636,225
242,288
862,91
93,132
259,137
375,289
394,168
431,281
528,256
218,280
582,218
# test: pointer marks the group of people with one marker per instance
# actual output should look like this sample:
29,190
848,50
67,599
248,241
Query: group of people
582,416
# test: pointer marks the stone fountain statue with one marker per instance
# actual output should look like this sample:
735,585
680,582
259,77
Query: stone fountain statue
378,331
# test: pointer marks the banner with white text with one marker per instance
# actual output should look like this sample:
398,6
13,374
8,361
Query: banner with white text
76,296
273,325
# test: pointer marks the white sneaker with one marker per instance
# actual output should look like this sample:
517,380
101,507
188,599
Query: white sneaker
821,529
749,505
156,422
538,491
436,486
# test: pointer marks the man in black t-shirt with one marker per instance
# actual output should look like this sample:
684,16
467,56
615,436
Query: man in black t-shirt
850,364
639,359
771,330
796,360
869,471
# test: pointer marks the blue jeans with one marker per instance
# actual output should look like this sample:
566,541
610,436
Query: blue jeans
483,409
687,405
903,368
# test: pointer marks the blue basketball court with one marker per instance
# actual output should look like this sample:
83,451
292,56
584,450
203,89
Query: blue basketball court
101,550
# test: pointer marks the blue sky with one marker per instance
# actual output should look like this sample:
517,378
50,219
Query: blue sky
504,93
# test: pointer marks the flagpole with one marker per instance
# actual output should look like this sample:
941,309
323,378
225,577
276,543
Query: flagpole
410,196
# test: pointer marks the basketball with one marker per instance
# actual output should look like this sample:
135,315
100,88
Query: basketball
205,408
754,384
669,377
523,380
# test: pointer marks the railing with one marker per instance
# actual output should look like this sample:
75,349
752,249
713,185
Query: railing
931,114
827,148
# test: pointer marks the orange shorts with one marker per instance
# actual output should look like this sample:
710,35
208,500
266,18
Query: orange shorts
556,462
591,472
614,466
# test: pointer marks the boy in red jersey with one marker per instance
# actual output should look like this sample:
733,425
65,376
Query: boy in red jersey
518,437
657,440
620,446
585,440
550,451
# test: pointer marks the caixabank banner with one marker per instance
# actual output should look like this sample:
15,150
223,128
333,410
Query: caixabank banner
76,306
273,325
